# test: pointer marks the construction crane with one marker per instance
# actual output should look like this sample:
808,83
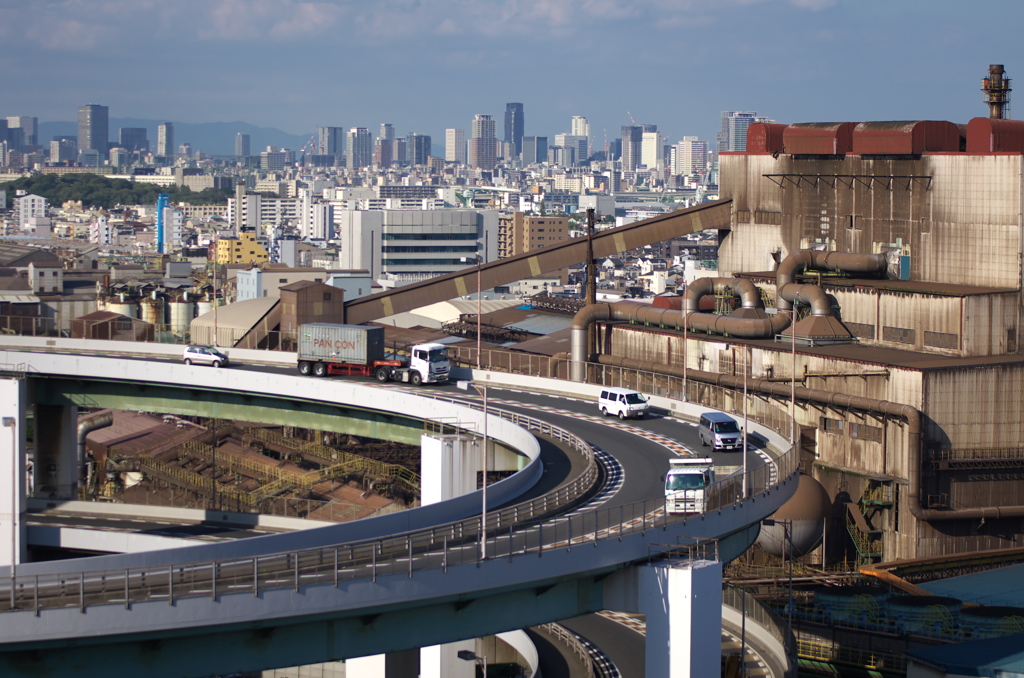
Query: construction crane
631,120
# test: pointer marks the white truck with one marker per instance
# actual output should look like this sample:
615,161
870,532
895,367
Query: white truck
686,483
358,350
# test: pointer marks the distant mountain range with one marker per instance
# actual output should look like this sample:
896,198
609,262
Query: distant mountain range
212,138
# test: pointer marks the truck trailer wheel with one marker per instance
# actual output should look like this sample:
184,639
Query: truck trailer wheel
305,368
319,370
415,379
383,374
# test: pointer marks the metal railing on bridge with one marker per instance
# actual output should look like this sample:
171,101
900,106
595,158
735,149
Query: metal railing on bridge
513,532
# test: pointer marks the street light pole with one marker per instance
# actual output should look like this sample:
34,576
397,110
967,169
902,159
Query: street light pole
479,294
746,367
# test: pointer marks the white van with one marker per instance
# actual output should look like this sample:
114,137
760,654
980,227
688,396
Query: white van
720,431
623,402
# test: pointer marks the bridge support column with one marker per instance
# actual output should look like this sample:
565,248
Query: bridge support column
683,604
13,397
448,468
55,467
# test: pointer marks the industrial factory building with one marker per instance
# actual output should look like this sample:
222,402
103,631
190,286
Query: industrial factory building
897,246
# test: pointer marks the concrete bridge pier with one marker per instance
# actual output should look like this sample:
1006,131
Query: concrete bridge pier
683,604
13,398
56,466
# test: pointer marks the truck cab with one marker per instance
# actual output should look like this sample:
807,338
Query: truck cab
431,362
687,483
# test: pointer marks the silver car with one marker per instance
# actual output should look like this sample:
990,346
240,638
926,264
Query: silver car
204,355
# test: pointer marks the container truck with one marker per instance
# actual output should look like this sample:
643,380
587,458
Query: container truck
686,484
327,348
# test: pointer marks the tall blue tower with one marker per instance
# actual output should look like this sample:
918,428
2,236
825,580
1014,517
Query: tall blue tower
162,202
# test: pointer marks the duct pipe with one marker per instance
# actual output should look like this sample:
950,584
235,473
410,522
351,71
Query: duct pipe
799,260
811,295
645,314
84,429
741,287
833,399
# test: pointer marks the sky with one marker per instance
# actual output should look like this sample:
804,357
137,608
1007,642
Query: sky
426,65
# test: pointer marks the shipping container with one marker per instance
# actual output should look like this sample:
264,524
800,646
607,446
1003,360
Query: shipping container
352,344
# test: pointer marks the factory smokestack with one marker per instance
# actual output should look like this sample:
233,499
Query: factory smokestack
997,92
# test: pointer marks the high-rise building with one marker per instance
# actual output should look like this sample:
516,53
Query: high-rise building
514,126
242,145
733,135
29,126
418,148
535,150
455,145
329,141
133,139
93,128
165,139
63,150
632,142
384,147
652,150
579,145
358,148
399,154
483,150
580,126
691,156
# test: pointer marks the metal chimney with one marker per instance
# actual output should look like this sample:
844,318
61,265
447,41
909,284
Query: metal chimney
997,92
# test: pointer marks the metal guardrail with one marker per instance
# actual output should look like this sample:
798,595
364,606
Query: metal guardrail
585,651
511,532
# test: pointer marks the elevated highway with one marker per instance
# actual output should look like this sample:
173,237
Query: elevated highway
350,590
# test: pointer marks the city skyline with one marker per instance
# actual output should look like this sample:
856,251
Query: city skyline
674,64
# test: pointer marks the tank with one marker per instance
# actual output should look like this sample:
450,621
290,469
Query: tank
806,512
992,621
859,605
181,315
152,312
203,307
925,615
126,308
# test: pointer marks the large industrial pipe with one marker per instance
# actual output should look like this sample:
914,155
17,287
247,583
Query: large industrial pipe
84,429
832,399
798,260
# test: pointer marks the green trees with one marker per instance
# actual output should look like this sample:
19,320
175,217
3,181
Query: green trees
95,190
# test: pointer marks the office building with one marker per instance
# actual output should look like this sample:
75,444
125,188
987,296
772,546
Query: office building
732,138
580,126
330,141
63,150
535,150
93,128
133,139
358,148
455,145
514,126
165,139
483,149
412,245
691,156
632,144
242,145
387,132
652,150
418,148
29,126
579,144
384,147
